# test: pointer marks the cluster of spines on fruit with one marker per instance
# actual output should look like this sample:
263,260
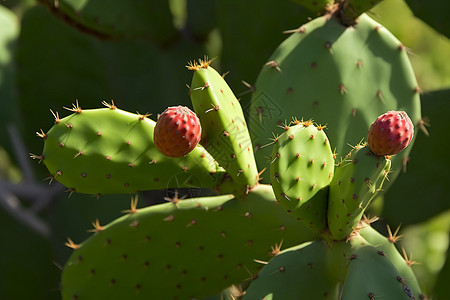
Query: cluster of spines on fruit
312,191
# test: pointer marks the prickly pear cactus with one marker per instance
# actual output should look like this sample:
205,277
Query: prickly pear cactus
108,150
181,250
339,75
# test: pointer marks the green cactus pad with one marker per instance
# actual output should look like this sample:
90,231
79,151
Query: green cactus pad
108,150
344,77
191,249
302,165
387,246
371,275
300,272
357,179
225,134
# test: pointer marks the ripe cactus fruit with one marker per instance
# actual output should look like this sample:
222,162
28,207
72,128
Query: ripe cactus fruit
341,76
177,131
108,150
184,250
225,134
357,179
302,165
390,133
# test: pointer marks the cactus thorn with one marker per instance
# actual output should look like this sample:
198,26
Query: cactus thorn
273,64
133,207
75,108
175,200
274,140
423,124
111,106
284,125
301,29
201,64
214,108
380,96
71,244
250,88
41,134
260,173
342,89
56,116
408,260
225,74
142,117
359,64
393,237
35,156
97,226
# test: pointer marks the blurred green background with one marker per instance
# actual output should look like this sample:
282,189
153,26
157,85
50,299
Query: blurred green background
134,52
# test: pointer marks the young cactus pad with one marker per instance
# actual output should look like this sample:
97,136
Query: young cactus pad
387,247
371,275
108,150
225,134
302,164
356,181
341,76
300,272
189,249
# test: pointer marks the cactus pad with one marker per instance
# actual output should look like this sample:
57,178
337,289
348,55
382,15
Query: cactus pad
341,76
225,134
191,249
356,181
108,150
302,165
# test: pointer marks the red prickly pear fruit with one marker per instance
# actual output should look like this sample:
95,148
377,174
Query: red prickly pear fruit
177,131
390,133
